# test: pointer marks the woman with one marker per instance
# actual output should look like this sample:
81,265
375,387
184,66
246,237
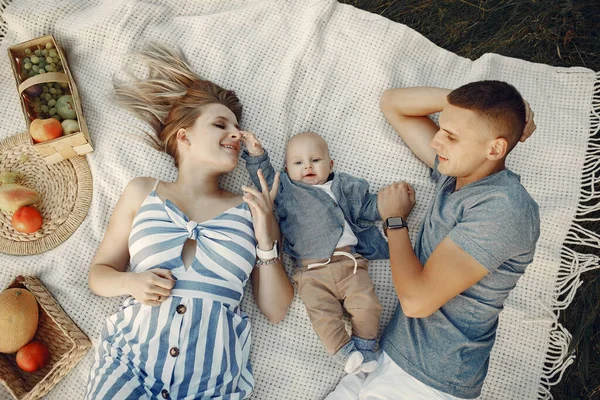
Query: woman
191,245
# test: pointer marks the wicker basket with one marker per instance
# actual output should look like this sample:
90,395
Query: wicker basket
66,343
63,147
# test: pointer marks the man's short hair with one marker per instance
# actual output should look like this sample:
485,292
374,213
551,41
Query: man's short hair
497,101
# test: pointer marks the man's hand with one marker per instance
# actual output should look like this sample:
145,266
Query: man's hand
396,200
252,144
529,124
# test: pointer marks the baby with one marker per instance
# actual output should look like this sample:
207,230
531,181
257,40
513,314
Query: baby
324,217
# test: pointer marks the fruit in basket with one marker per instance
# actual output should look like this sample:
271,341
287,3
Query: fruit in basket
33,356
40,60
26,220
18,319
45,129
14,196
65,107
44,104
70,126
34,90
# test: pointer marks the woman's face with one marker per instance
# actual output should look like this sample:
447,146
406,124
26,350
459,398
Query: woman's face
213,141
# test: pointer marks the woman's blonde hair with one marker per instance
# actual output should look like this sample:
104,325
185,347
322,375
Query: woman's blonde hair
171,96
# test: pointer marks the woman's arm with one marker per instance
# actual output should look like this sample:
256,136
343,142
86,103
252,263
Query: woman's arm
273,290
107,276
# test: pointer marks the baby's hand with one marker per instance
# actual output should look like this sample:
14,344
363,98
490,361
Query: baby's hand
252,144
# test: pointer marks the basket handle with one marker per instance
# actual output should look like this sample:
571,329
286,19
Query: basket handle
43,78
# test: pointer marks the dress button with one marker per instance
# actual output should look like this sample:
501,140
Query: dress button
335,204
181,309
165,394
174,351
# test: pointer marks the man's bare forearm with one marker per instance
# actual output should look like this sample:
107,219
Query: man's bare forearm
406,109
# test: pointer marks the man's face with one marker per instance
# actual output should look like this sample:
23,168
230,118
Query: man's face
462,143
307,159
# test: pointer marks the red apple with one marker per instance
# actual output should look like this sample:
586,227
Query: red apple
26,220
33,356
45,129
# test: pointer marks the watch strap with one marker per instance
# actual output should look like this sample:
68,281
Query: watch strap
269,254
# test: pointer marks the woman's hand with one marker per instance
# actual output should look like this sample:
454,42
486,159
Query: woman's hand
252,143
151,287
261,207
529,124
396,200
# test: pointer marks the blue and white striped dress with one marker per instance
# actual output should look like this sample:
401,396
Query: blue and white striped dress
196,344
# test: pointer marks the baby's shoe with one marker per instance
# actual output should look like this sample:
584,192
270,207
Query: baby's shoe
367,349
350,358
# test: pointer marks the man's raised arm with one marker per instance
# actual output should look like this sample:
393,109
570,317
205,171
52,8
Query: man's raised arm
406,109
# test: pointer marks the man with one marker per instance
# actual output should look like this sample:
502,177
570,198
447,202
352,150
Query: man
477,238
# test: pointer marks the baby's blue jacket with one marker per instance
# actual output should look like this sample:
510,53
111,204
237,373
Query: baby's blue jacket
312,222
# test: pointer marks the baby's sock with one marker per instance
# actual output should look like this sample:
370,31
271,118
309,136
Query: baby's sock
350,358
367,349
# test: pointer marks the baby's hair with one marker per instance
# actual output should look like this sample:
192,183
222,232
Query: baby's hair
171,96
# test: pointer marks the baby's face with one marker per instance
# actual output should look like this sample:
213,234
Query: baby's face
307,159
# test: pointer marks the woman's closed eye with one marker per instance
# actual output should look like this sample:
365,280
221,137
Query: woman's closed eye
220,126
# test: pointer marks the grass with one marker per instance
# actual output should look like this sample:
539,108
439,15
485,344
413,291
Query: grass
563,33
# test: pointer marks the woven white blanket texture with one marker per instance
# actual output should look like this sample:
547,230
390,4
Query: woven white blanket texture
321,66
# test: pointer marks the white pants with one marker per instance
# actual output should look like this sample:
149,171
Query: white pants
389,382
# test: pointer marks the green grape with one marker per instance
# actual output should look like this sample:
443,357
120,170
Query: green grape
47,96
63,84
42,64
44,108
27,66
52,111
53,53
42,71
27,52
51,103
49,85
26,60
35,68
49,45
58,92
52,91
45,89
48,60
38,52
54,59
35,59
45,52
49,68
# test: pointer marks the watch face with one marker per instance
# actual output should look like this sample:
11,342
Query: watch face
396,222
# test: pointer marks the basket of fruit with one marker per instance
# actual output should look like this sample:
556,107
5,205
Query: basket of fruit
40,343
49,99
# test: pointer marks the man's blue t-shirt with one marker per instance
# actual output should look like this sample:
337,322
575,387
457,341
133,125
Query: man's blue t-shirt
497,223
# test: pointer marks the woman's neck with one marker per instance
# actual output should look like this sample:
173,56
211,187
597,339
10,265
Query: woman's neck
195,183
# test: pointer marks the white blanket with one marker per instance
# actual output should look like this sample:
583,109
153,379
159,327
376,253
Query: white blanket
320,66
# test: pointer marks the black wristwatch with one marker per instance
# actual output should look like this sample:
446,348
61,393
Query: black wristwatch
394,223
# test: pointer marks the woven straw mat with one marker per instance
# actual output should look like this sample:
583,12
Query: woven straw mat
65,191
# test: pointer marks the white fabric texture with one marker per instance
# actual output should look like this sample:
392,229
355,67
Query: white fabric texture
321,66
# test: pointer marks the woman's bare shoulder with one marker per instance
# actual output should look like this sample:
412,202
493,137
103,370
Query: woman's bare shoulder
136,192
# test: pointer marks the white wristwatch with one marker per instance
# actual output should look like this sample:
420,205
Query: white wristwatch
267,255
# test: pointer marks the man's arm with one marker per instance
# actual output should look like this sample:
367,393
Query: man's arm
406,109
449,271
422,290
